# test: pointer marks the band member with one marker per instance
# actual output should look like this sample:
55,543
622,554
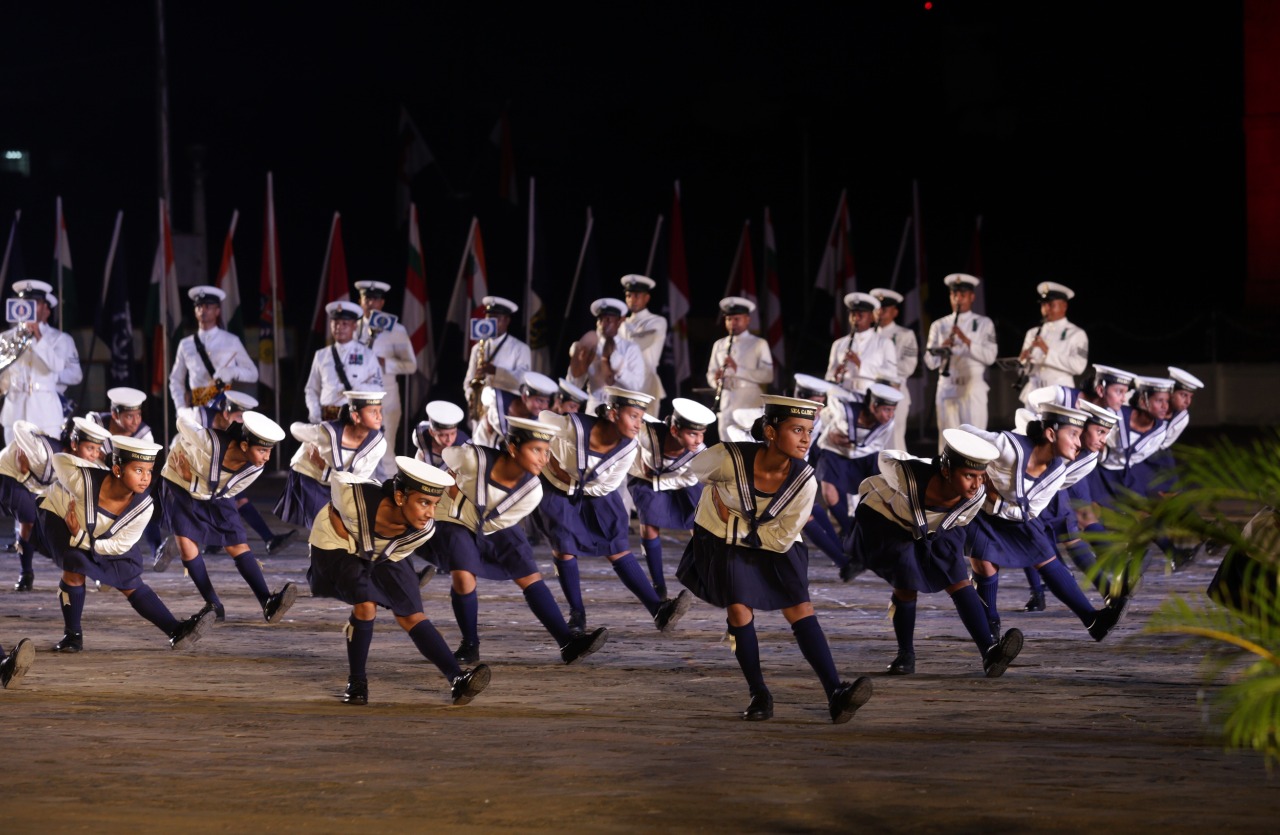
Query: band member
855,429
569,398
346,365
910,530
210,360
582,512
648,331
960,347
478,535
746,552
395,357
1055,351
532,395
497,361
205,470
92,519
864,356
33,384
125,415
1030,471
441,430
358,549
604,358
1138,436
740,367
352,443
662,485
14,665
27,473
908,351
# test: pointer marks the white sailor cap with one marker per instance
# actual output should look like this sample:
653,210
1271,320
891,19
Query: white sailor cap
444,415
373,289
690,414
608,307
777,407
618,398
1106,375
890,378
129,448
735,305
746,416
343,310
532,382
260,430
83,429
807,384
962,281
1022,417
861,301
879,393
206,294
520,430
1045,394
421,476
238,401
360,399
1185,380
568,391
887,297
1050,290
498,306
634,283
1052,415
125,398
1100,415
964,449
1143,384
34,289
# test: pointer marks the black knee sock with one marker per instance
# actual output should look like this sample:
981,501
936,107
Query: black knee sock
1064,587
904,625
434,649
816,650
652,549
24,556
633,578
544,607
974,617
250,514
147,603
359,638
1033,580
72,600
567,573
249,569
466,611
200,576
746,648
988,588
824,536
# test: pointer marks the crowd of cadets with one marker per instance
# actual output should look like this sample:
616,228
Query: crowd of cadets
570,461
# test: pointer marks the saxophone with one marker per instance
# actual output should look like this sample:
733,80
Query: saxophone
475,408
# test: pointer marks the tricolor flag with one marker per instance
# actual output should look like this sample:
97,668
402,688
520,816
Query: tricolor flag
114,325
164,310
270,295
678,295
229,282
471,285
742,276
414,156
64,284
335,286
836,275
417,307
772,317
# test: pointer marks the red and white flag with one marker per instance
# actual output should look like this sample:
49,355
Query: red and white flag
772,317
471,285
417,302
270,295
64,282
229,281
335,286
678,294
742,276
164,309
836,274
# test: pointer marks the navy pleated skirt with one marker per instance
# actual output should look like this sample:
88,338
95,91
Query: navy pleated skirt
123,571
346,577
301,500
214,522
502,555
666,509
925,565
592,526
1009,544
722,574
16,500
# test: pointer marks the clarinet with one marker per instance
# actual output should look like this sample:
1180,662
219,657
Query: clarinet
723,367
844,361
945,370
1024,367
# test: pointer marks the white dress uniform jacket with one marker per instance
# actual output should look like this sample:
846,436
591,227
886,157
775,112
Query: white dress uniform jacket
111,536
627,363
878,355
231,364
1068,356
841,415
962,396
743,386
325,387
510,358
649,332
395,354
31,385
908,348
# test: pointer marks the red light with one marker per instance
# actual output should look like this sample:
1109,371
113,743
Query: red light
928,6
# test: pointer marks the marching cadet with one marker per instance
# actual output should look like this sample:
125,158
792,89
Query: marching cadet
648,331
441,430
1054,352
479,535
959,348
664,489
210,360
819,529
908,352
746,552
14,665
92,519
532,394
395,358
358,547
569,399
33,384
1185,386
352,442
582,512
1108,389
346,365
125,414
1138,436
910,530
740,367
864,356
205,470
605,358
855,429
498,361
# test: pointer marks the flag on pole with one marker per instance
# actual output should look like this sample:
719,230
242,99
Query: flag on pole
414,156
64,284
270,296
164,310
114,325
976,269
678,294
471,285
836,275
772,316
11,268
335,286
500,138
537,290
417,302
229,282
742,276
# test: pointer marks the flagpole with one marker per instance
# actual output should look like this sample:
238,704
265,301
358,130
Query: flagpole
902,249
577,273
57,260
111,257
276,344
653,246
324,271
737,262
8,248
164,314
528,270
454,301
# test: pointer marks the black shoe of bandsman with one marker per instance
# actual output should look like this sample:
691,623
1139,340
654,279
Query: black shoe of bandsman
357,693
468,685
1000,654
280,603
191,629
847,698
278,541
904,664
71,642
670,612
468,652
760,707
16,664
583,644
26,582
1035,603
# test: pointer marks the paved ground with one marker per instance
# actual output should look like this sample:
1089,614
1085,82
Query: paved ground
247,732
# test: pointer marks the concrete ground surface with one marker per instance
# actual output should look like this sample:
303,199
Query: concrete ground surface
247,733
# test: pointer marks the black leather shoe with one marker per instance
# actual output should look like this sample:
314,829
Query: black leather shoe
191,629
661,590
760,708
25,582
219,613
468,685
467,653
280,603
277,542
903,665
1108,617
357,693
1000,654
165,552
577,620
1180,558
425,575
850,570
670,612
583,644
1035,603
71,642
848,698
16,664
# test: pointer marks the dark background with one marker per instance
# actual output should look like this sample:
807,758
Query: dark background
1101,144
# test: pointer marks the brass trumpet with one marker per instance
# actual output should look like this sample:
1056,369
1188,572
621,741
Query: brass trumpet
475,408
